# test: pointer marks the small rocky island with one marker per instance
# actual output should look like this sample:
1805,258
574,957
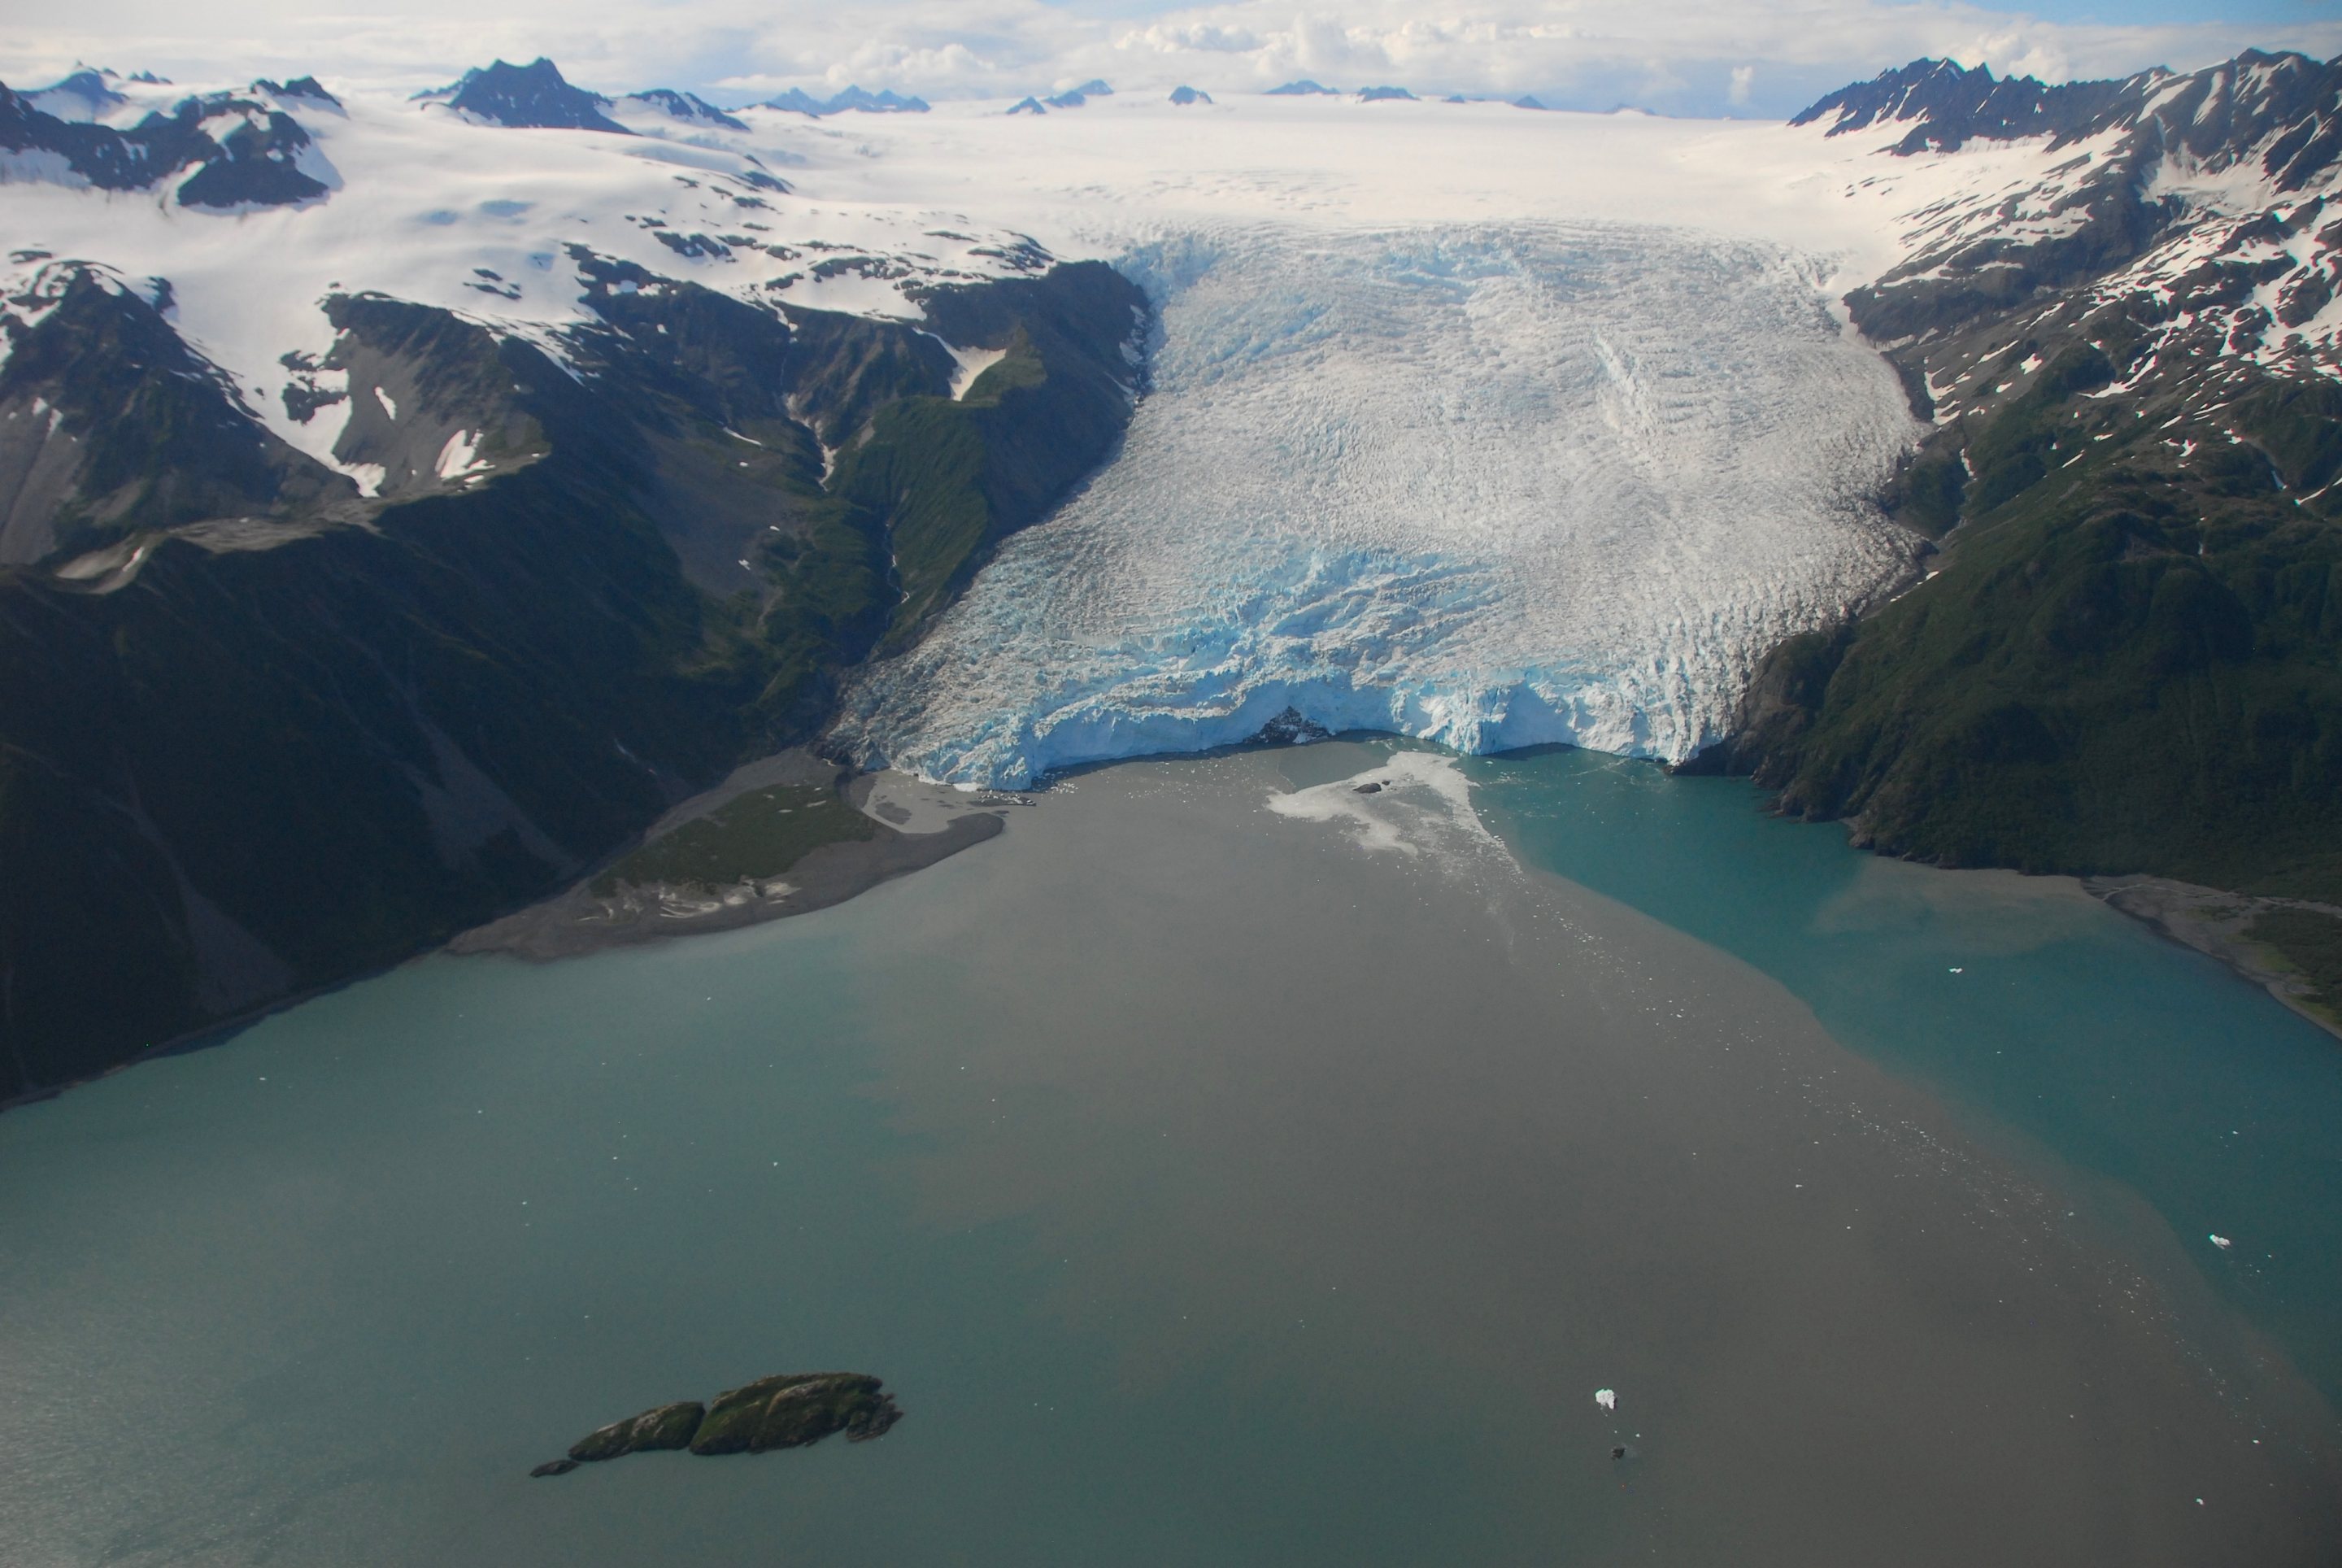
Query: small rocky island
788,1410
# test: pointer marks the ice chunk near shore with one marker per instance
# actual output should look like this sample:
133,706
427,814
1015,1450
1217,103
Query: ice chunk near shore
1490,486
1606,1398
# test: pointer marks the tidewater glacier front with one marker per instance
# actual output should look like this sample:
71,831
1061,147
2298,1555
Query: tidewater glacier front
1487,485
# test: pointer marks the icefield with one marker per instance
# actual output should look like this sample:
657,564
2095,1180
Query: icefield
1490,486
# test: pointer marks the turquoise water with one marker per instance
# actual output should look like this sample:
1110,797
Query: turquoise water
1213,1187
2131,1057
325,1294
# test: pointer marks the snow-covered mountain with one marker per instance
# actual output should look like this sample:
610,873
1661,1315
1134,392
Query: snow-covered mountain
496,200
236,149
374,559
847,100
1492,426
523,96
2122,328
537,96
2208,191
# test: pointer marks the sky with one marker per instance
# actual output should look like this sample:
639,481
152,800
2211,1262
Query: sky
1759,59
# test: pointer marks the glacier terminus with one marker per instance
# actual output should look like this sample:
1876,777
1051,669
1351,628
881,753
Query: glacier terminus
1491,486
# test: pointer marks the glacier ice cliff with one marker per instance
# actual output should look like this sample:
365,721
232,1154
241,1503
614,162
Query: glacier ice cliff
1488,486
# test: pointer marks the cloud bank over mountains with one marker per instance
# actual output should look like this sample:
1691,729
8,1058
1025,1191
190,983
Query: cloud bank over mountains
1755,57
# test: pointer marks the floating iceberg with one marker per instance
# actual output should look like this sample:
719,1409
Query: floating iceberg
1488,486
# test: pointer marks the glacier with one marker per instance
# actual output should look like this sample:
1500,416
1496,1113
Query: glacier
1491,486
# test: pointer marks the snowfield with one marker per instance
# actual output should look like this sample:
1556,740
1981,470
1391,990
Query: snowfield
1484,425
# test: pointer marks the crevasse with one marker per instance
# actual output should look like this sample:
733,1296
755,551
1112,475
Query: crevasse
1491,487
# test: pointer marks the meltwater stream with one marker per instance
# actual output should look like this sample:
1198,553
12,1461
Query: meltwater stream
1228,1164
1490,486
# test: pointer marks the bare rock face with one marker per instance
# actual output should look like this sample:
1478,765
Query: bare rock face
789,1410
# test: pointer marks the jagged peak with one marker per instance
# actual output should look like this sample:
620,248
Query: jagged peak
2280,106
298,87
534,96
854,98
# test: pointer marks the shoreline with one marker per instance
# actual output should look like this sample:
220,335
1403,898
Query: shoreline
915,825
922,824
2213,922
918,828
2208,920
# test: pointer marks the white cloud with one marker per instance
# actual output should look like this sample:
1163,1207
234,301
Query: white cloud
1696,57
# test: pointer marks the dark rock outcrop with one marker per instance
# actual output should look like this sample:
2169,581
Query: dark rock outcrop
1290,728
793,1410
534,95
256,167
307,87
790,1410
668,1426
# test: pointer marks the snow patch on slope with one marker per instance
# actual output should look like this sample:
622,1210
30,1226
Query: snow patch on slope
970,363
460,456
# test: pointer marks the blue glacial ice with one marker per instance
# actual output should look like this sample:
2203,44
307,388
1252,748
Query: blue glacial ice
1491,487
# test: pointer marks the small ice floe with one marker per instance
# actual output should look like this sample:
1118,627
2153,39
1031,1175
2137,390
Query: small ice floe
2222,1243
1606,1398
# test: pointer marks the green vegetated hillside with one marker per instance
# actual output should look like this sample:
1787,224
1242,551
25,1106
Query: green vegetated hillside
2131,658
259,733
